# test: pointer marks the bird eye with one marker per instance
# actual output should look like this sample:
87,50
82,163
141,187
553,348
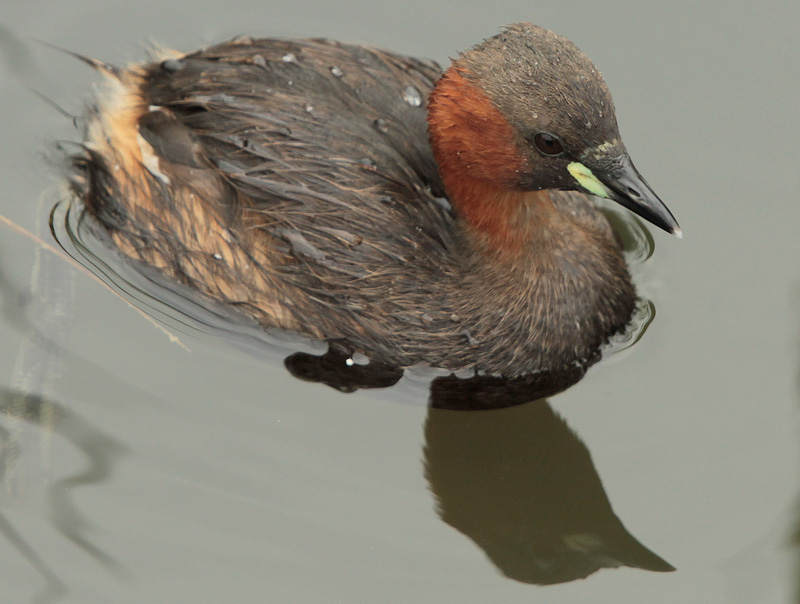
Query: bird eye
548,144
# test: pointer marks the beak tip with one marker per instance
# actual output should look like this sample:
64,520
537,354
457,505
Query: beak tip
619,180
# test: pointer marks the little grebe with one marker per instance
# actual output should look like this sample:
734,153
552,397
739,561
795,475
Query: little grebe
297,181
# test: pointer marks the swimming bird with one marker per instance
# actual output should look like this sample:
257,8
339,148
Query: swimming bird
351,194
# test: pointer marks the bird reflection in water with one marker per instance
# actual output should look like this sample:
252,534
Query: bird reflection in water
523,487
509,473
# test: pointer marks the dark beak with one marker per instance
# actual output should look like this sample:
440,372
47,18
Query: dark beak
628,188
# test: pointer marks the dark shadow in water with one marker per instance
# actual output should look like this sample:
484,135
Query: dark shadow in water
512,476
522,486
101,453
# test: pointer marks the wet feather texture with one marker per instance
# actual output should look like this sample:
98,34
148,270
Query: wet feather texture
295,180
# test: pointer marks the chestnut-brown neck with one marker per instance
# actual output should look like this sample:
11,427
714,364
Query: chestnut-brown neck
479,162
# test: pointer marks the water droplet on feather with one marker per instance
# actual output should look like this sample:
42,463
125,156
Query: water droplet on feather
412,96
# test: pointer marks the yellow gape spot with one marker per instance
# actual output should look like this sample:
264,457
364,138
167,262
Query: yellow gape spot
587,180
